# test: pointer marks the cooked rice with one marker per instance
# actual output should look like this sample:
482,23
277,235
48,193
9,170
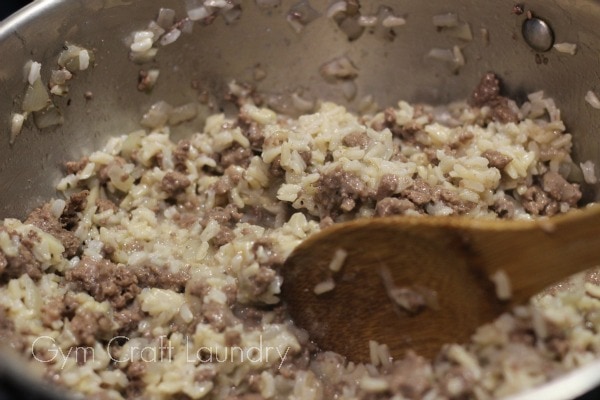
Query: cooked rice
190,237
502,283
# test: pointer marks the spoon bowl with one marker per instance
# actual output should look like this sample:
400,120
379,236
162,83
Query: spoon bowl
416,283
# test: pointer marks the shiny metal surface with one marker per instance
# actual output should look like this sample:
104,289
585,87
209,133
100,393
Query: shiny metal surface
215,54
538,34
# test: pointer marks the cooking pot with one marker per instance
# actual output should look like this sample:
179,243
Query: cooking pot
281,53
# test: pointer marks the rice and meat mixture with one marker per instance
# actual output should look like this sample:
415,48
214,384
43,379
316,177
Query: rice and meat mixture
158,277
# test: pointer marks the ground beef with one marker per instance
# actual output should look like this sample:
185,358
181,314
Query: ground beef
232,338
262,280
87,326
387,186
174,183
135,372
453,200
389,117
128,318
420,192
537,202
218,316
393,206
252,131
505,207
339,192
225,216
180,155
275,168
306,156
232,176
559,189
266,255
53,311
44,219
545,198
8,336
73,167
463,138
225,235
487,93
12,267
152,276
250,316
76,204
235,155
356,139
105,281
502,112
496,159
407,132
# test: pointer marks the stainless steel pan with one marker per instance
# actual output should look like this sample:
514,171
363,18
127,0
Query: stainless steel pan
390,68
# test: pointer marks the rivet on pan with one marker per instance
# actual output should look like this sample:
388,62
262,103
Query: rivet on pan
538,34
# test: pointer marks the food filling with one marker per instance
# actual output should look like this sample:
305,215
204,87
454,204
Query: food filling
159,276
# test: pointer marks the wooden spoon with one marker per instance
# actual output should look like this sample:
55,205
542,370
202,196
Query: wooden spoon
447,260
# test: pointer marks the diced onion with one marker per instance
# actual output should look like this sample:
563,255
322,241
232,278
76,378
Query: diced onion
60,77
349,89
16,126
445,20
301,104
463,32
166,18
141,45
75,58
232,14
157,115
216,3
392,21
198,13
157,31
367,20
142,35
187,26
48,117
144,57
454,57
569,48
337,8
592,99
170,37
441,54
351,28
339,68
84,60
589,173
324,286
34,72
36,97
183,113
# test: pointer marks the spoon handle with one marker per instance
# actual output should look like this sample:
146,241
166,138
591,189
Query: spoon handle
536,255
